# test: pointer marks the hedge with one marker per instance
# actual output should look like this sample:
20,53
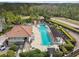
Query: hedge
68,42
23,54
10,53
34,53
3,55
63,49
14,47
58,53
69,46
70,37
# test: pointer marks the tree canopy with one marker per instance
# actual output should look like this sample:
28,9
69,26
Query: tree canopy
46,10
34,53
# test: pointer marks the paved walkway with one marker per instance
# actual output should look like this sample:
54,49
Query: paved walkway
76,36
17,54
37,43
68,23
26,47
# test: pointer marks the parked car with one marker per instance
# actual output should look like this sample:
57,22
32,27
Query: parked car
2,48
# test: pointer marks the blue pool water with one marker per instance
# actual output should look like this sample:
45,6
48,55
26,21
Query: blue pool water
46,39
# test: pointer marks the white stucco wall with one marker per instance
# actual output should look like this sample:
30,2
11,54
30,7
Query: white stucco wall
2,21
16,40
1,27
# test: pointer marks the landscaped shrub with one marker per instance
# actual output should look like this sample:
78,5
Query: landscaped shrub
64,50
36,50
3,55
13,47
46,54
68,42
58,53
10,53
24,54
34,53
69,46
28,20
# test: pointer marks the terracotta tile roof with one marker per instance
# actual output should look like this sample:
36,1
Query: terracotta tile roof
20,31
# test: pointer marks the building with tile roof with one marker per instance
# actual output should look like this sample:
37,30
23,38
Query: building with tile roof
18,34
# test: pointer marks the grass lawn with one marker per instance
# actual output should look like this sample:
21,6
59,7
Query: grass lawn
2,52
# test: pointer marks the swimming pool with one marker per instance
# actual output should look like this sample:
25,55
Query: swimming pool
46,39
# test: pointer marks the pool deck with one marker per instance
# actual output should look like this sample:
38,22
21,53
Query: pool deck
37,43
